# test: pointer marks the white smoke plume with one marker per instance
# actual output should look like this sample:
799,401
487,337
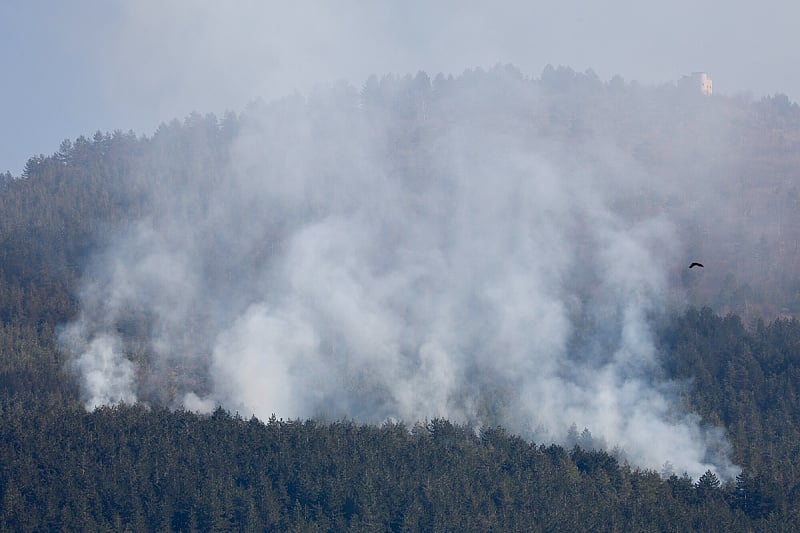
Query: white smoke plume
442,259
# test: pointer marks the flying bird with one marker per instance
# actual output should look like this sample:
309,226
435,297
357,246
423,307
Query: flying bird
696,265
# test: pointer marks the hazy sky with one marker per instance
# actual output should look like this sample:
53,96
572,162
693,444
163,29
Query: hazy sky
71,68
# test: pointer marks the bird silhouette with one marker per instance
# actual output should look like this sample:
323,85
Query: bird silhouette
696,265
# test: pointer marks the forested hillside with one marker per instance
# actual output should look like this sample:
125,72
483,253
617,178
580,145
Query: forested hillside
724,170
153,469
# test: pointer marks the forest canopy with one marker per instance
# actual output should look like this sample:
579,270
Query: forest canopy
415,250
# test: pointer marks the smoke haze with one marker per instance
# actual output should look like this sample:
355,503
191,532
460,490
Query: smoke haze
411,250
136,64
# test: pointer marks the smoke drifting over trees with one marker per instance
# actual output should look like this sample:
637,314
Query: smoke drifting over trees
490,248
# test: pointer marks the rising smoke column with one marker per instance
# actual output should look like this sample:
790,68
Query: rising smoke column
417,250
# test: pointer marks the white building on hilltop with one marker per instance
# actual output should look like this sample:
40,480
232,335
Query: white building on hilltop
695,81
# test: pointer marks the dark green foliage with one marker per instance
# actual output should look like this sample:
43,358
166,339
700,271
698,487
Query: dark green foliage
148,469
747,381
140,469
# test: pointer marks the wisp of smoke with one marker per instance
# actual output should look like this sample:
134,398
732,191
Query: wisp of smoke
433,256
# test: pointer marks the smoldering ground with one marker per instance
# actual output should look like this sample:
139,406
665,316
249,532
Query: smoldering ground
410,250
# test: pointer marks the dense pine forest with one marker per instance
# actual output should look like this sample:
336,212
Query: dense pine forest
729,340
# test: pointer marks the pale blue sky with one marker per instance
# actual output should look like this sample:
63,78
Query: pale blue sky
71,68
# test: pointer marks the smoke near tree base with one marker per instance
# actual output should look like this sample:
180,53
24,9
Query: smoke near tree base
412,250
